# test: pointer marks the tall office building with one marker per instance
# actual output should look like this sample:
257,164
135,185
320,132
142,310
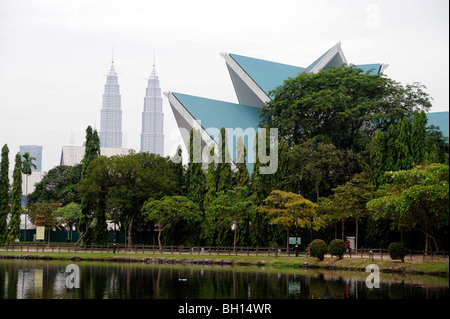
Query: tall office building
152,137
36,152
111,112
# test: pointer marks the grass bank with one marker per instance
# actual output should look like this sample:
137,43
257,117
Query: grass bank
437,268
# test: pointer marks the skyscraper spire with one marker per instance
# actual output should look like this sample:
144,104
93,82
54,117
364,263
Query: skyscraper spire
111,112
152,137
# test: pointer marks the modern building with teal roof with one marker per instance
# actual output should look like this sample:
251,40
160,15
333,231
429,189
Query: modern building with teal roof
439,119
252,79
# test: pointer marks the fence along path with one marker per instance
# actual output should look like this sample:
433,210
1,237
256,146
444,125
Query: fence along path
363,253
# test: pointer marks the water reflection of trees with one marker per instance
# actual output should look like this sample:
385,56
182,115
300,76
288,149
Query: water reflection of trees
137,281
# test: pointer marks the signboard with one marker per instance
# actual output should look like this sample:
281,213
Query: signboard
40,232
295,240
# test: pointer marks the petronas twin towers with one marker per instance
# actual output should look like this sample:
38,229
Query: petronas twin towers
152,136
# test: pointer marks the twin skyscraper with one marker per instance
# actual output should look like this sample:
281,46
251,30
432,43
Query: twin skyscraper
152,135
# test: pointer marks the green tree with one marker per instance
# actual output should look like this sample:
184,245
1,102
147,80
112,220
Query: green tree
125,182
291,210
224,173
260,184
211,179
349,201
60,184
41,214
180,173
377,157
344,105
170,211
93,190
415,199
232,209
418,145
195,176
4,192
242,174
69,214
16,202
27,165
281,178
91,152
318,167
402,144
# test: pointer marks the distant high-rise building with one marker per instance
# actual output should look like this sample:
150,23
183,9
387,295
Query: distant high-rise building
111,112
152,137
36,152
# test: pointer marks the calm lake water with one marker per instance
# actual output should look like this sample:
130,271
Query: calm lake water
33,279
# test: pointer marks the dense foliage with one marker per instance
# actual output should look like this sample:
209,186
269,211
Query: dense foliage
356,157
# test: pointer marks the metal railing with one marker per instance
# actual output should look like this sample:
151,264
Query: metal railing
367,253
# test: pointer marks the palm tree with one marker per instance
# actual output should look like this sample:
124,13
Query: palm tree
27,164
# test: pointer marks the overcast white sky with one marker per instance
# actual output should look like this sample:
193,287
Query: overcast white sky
54,55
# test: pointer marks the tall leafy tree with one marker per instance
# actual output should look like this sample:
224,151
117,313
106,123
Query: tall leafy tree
4,192
41,214
16,202
27,166
318,167
415,199
170,211
402,143
59,184
70,215
231,210
260,184
377,156
91,152
418,144
291,211
281,178
180,173
224,173
125,183
344,105
349,201
195,176
211,179
242,174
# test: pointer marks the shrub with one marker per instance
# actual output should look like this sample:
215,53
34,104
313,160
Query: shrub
337,248
397,251
318,248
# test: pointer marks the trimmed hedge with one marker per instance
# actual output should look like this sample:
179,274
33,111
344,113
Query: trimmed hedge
397,251
318,248
337,247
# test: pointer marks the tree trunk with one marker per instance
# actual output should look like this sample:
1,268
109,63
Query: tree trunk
335,230
159,239
130,233
287,240
356,243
